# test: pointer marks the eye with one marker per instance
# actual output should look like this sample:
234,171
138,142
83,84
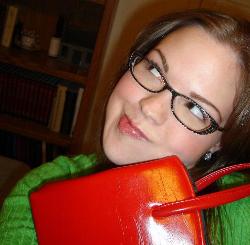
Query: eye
154,71
196,111
149,75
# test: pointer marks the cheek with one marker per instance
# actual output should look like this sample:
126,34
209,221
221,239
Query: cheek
127,89
126,92
191,147
122,93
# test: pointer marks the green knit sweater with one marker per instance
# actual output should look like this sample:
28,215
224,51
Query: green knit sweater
16,224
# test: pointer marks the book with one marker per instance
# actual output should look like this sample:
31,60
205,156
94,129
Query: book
49,104
35,102
53,111
30,100
25,97
6,99
68,113
45,103
58,108
77,108
38,98
9,25
12,97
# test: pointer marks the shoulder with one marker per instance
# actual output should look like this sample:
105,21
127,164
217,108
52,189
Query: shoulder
234,216
15,217
234,179
60,168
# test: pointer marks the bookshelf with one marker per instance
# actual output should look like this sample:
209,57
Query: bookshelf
33,130
43,15
40,61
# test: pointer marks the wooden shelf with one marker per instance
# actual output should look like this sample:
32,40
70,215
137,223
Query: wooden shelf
42,16
40,61
33,130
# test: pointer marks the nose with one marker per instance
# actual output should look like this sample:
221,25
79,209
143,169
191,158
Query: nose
156,107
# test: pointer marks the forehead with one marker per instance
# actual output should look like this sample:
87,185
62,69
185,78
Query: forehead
199,47
198,62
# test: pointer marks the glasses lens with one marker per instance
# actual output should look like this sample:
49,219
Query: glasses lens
190,114
147,75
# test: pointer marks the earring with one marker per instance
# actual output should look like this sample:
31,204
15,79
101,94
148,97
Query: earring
208,156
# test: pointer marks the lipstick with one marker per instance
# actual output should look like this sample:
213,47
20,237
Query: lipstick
126,126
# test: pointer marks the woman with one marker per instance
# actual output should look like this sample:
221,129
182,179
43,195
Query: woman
185,92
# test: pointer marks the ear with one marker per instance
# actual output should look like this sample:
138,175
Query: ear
215,147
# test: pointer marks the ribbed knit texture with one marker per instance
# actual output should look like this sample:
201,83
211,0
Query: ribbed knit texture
16,224
234,218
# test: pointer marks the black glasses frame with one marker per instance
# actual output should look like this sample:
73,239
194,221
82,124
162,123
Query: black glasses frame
213,126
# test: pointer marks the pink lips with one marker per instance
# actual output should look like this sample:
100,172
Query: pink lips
126,127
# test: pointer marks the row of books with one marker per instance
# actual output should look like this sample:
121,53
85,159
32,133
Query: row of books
39,97
65,110
25,98
30,151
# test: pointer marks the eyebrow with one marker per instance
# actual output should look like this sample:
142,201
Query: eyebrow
163,59
192,94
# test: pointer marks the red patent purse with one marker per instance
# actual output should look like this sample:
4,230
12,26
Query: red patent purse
149,203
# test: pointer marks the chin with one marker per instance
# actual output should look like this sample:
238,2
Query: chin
123,157
117,157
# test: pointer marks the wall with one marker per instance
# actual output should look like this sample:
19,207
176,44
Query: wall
234,7
131,16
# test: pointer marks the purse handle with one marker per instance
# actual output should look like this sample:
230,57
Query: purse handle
209,200
212,177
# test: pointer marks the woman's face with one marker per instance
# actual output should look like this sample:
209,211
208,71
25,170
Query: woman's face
140,125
